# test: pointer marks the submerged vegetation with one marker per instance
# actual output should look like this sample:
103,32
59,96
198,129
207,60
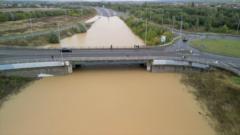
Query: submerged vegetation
220,93
11,85
152,33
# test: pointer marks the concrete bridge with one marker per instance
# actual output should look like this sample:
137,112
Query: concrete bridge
35,62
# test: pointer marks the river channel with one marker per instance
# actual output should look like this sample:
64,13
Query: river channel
129,101
104,33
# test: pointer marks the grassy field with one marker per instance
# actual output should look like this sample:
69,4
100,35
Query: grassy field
153,32
42,28
40,24
236,80
220,93
11,85
225,47
51,37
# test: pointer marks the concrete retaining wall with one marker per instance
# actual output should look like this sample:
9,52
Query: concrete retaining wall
34,72
169,68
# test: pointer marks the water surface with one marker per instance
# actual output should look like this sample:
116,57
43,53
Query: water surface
104,33
104,102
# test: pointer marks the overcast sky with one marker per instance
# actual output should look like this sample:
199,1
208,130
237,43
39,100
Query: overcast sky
126,0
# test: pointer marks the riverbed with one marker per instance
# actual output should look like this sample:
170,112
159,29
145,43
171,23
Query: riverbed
105,102
105,32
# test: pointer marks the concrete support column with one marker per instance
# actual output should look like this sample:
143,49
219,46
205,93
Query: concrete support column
149,66
69,66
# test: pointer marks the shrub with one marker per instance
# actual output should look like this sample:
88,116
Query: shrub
53,38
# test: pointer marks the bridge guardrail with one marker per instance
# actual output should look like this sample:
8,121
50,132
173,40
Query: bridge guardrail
211,62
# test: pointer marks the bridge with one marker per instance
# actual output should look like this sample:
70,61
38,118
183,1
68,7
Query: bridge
32,62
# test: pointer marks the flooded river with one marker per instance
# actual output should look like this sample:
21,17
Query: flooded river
104,32
104,102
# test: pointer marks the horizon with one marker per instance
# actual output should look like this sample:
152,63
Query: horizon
126,0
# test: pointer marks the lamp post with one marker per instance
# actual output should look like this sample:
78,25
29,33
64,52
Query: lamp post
59,41
238,26
146,32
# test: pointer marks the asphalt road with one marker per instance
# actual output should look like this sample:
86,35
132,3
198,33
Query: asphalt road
105,12
179,49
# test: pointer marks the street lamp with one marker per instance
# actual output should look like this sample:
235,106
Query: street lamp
59,41
146,32
238,26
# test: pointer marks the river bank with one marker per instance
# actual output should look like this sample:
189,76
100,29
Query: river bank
45,30
12,85
219,93
148,104
150,32
105,32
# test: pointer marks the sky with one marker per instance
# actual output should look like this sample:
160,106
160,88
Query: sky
125,0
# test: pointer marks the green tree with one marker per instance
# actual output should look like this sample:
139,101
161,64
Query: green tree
224,29
169,35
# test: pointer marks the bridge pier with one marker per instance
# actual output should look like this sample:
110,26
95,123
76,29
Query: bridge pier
149,66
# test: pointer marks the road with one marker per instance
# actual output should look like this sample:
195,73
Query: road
105,12
177,50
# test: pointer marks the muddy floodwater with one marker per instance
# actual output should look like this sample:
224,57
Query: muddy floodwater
104,102
104,32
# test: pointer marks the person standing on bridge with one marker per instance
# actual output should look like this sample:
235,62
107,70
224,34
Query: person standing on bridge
52,57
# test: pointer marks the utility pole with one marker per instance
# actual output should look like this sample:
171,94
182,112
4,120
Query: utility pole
30,20
65,14
238,26
173,18
180,34
162,19
59,38
181,26
146,31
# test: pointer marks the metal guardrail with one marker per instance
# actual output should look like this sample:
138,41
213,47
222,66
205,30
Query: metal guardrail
210,62
30,65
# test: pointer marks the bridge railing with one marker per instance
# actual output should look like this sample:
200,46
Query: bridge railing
211,62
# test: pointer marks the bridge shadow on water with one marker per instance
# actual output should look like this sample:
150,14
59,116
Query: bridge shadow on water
112,66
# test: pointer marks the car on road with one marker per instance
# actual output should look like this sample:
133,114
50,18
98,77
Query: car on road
184,39
65,50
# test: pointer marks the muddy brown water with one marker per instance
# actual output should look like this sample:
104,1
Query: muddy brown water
104,102
104,32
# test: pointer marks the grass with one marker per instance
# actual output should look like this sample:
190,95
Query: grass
225,47
221,97
11,85
153,33
45,39
236,80
40,24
